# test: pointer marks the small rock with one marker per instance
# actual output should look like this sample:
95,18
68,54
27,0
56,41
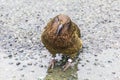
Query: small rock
22,75
96,59
74,75
29,63
87,61
15,53
11,63
10,56
35,64
5,57
45,56
95,64
14,76
26,20
41,66
16,59
45,66
10,44
113,73
95,55
15,40
35,58
10,37
20,69
109,61
33,71
24,66
21,51
82,65
18,63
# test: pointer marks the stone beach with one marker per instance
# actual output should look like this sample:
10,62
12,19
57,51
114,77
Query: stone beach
24,57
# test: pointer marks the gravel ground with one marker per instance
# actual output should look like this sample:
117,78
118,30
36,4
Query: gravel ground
23,56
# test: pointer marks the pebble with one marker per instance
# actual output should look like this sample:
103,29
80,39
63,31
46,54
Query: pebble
22,75
82,65
87,61
20,69
10,44
35,64
18,63
96,64
10,63
95,55
5,57
113,72
15,53
41,66
74,75
86,79
16,59
10,56
24,66
30,64
96,59
109,61
32,71
21,51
